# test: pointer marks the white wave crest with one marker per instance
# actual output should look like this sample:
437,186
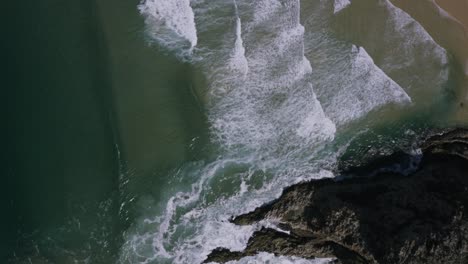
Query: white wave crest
238,59
340,5
171,23
263,257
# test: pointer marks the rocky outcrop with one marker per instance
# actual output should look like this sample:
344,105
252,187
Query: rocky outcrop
387,218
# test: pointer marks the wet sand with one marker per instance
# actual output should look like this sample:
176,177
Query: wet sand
447,22
457,8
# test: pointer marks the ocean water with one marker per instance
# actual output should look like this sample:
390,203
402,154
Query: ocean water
285,91
217,105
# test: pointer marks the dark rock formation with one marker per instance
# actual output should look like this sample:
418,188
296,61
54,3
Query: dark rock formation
387,218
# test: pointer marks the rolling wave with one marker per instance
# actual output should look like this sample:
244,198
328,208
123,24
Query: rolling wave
270,117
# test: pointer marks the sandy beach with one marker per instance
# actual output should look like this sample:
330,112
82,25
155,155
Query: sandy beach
447,22
457,8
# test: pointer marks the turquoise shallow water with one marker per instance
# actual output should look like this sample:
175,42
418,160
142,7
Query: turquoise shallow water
134,134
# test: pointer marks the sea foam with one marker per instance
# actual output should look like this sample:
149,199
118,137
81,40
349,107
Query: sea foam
238,60
266,121
340,5
264,257
171,23
271,120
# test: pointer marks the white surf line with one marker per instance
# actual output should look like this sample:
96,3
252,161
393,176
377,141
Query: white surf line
264,257
182,199
339,5
245,117
378,90
245,113
175,15
309,124
448,16
238,59
396,93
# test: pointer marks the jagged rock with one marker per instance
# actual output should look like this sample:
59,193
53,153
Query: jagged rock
387,218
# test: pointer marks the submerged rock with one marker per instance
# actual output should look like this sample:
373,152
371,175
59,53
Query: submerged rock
391,217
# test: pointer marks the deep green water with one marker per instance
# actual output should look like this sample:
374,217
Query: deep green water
80,80
99,118
60,150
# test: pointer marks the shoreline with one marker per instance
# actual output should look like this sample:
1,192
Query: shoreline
457,9
445,22
388,217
